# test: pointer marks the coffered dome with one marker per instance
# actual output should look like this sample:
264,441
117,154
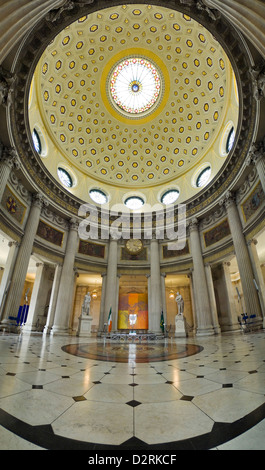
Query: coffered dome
134,99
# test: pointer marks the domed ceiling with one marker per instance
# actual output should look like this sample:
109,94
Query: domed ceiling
134,100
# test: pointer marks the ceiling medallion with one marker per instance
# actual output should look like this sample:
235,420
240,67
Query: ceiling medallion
135,86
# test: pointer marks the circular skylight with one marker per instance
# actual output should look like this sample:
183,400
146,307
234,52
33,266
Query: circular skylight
135,85
170,196
65,177
203,177
98,196
134,202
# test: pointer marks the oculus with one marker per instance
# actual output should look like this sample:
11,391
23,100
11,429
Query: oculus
203,177
134,202
98,196
65,177
170,196
135,85
36,141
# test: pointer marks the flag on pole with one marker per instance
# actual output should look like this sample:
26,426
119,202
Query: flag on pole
162,321
109,321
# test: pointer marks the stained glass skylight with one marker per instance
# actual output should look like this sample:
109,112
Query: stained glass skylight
135,85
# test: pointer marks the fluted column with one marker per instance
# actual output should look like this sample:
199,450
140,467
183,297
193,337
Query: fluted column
31,323
252,245
243,258
163,292
8,161
21,266
66,286
102,304
155,287
111,280
232,321
202,305
209,279
53,298
8,271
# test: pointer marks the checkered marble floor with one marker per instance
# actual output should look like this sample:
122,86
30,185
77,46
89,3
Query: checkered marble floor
213,399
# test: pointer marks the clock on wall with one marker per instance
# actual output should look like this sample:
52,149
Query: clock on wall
134,246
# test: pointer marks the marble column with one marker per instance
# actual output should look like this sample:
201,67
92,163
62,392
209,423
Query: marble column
53,299
210,285
31,324
232,321
115,317
111,281
65,291
8,161
8,271
23,257
102,304
243,258
155,287
148,277
202,306
163,292
258,276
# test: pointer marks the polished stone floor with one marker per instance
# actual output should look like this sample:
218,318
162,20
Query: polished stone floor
68,393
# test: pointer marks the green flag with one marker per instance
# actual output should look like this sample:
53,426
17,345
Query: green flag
162,321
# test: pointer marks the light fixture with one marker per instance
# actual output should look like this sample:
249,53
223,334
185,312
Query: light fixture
171,294
94,295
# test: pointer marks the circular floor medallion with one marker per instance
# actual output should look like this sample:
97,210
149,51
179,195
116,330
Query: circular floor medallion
131,352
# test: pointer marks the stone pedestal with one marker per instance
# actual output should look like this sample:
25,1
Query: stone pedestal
84,326
180,331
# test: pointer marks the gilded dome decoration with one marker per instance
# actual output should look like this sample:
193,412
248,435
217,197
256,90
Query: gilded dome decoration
134,96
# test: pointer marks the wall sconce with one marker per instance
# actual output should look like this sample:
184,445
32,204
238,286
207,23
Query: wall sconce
171,294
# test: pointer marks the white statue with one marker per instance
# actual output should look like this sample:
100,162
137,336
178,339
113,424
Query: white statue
86,304
180,303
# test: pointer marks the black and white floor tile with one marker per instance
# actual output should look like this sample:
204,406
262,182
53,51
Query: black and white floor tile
84,394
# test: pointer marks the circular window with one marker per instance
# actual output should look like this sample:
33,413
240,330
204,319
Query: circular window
230,140
135,85
134,202
98,196
170,196
36,141
65,177
203,177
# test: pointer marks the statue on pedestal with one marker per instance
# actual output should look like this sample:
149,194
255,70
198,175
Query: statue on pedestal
179,319
180,303
86,304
